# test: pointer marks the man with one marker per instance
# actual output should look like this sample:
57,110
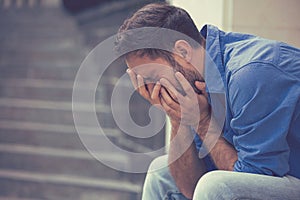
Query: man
258,153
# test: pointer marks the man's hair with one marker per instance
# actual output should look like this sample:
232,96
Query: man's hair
160,15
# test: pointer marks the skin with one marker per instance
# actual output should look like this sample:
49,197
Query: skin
157,82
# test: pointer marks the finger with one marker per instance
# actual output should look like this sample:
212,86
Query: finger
168,95
133,78
169,100
155,95
155,91
150,87
171,112
171,89
142,87
185,84
202,87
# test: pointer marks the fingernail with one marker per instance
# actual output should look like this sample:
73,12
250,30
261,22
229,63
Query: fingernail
162,79
177,74
128,70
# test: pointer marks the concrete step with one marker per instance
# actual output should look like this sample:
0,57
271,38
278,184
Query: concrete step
16,198
51,111
51,105
37,14
30,133
66,136
28,4
39,58
64,187
59,112
50,94
65,47
52,90
44,30
62,71
11,42
62,161
41,155
30,53
36,60
103,21
30,24
107,9
40,68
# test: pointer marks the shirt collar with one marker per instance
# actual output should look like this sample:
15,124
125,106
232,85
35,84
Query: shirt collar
214,72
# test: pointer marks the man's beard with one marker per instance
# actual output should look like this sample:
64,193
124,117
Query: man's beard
190,75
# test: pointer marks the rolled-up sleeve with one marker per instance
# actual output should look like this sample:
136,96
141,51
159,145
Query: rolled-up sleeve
261,102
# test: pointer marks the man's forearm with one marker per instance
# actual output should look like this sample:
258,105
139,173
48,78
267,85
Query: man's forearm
188,168
222,153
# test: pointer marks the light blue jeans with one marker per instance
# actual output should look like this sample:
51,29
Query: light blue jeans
225,185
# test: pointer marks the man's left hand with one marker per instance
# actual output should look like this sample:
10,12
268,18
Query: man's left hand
185,109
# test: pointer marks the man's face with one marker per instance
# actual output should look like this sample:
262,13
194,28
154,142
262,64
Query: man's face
152,70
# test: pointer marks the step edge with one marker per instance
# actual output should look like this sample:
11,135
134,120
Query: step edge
64,153
52,105
57,128
71,180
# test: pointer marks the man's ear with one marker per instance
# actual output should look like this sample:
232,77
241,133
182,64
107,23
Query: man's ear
183,49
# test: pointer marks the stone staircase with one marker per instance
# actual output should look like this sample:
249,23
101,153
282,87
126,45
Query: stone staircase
41,155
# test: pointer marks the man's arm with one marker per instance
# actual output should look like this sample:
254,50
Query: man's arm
222,153
188,168
262,101
185,166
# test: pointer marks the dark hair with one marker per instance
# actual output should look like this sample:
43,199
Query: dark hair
161,15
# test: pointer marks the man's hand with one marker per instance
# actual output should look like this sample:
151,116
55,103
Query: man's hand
185,108
151,92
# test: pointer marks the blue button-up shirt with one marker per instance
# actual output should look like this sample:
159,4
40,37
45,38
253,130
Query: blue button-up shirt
261,82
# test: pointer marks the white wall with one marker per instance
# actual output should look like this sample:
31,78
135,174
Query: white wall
274,19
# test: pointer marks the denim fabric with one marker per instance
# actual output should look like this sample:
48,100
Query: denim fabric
261,81
159,184
221,185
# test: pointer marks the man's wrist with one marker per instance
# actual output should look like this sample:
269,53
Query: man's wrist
203,126
175,124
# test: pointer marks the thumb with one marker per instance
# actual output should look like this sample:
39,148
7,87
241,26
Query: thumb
202,87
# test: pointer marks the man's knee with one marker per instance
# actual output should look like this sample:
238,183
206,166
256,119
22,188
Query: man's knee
158,180
214,185
158,163
157,172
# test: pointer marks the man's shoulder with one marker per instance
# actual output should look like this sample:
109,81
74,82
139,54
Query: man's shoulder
240,50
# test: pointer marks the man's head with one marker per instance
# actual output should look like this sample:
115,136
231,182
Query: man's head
184,52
